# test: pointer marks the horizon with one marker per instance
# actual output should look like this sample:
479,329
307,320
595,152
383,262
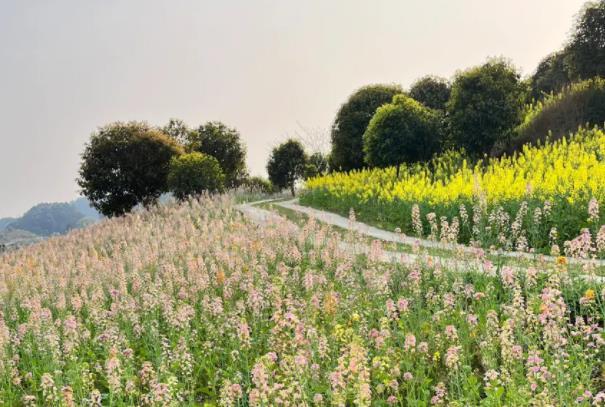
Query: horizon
272,71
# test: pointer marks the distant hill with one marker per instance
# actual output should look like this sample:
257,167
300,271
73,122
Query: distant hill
47,219
4,222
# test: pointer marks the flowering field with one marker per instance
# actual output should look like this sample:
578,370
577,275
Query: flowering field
193,305
539,199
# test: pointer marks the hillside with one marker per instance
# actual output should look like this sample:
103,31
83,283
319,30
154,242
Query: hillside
301,320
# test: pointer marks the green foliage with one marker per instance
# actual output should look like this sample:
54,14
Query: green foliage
178,130
581,104
586,50
287,164
401,132
194,173
351,122
431,91
317,164
224,144
485,105
550,76
125,164
258,185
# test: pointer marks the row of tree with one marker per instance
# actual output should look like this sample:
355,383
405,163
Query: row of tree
130,164
383,125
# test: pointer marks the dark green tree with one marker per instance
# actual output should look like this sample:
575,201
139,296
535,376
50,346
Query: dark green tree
431,91
287,164
125,164
404,131
486,103
351,122
551,75
193,173
586,50
224,144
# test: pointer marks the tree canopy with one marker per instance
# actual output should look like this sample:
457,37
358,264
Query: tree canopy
431,91
403,131
287,164
124,165
223,143
485,105
193,173
351,122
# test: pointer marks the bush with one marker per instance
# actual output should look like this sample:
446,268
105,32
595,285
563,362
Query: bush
224,144
401,132
431,91
258,185
124,165
486,104
579,105
287,164
194,173
351,122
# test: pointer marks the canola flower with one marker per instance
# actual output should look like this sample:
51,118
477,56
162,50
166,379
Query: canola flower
191,304
565,174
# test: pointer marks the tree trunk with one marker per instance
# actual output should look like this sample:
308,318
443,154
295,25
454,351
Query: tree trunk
292,189
398,165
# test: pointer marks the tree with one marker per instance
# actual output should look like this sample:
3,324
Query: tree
431,91
224,144
351,122
586,50
551,75
401,132
485,105
287,164
317,164
125,164
193,173
178,130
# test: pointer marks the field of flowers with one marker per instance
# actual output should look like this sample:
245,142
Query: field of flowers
537,200
193,305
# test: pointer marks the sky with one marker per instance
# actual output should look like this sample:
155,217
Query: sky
273,69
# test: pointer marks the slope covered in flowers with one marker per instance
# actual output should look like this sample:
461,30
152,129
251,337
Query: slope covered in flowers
536,199
193,305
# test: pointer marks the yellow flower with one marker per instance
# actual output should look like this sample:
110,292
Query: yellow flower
589,294
436,356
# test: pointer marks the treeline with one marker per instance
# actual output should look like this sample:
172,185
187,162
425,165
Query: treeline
485,110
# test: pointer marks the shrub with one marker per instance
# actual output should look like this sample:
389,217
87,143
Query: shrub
486,104
581,104
431,91
124,165
258,185
351,122
401,132
194,173
224,144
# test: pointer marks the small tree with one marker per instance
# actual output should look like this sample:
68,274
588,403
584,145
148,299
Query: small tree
431,91
485,105
401,132
125,164
224,144
287,164
351,122
193,173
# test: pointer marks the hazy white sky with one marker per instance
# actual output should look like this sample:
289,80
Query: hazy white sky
264,67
